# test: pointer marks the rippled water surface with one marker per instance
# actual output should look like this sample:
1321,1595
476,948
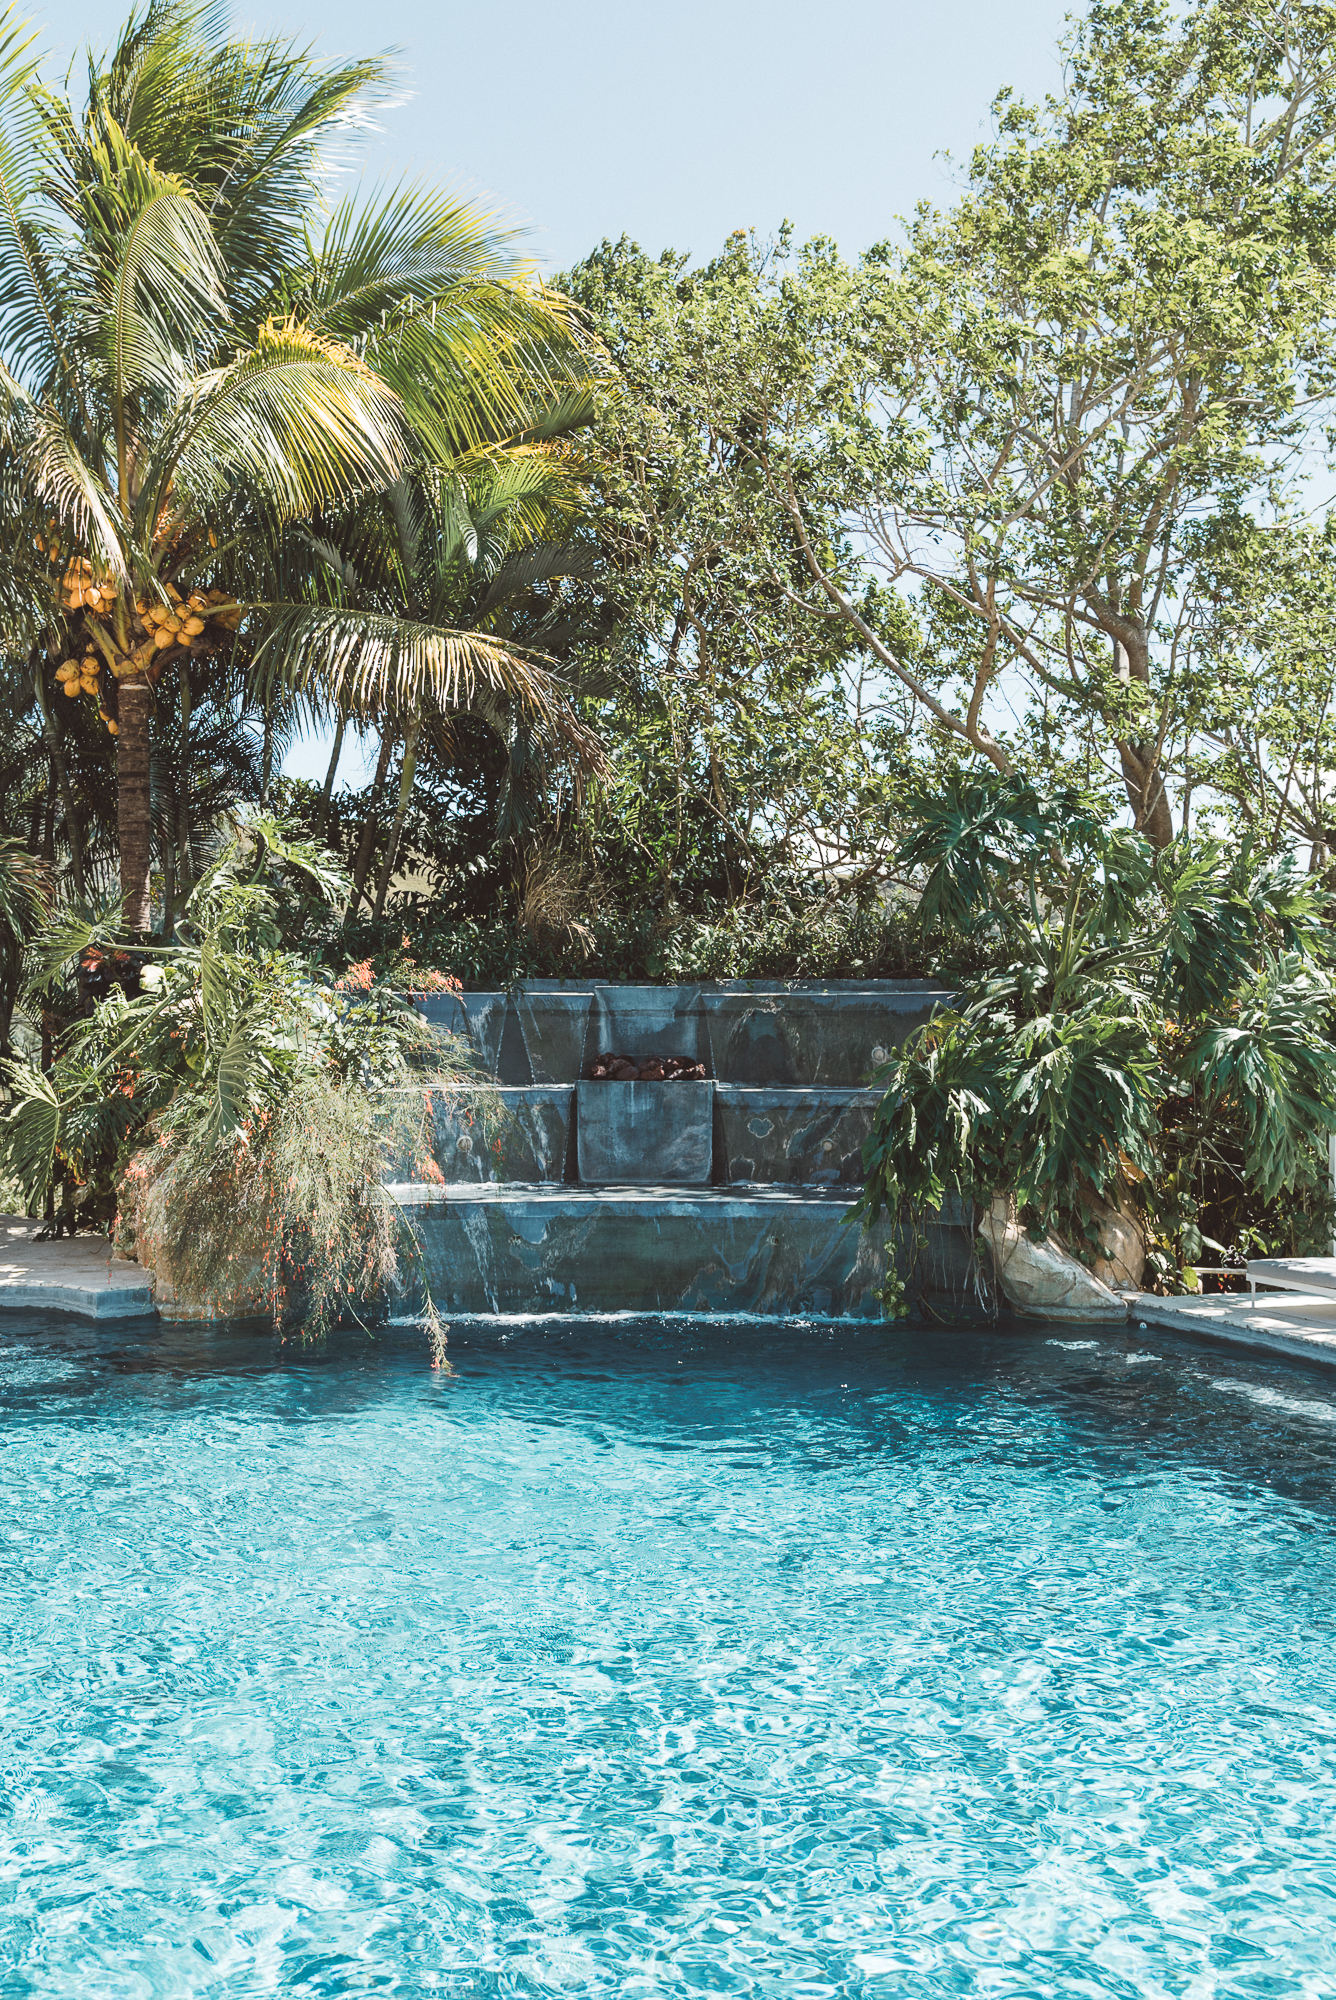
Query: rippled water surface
670,1660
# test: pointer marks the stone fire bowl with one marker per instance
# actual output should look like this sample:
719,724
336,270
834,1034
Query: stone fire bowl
645,1134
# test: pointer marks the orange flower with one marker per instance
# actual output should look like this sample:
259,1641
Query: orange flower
357,979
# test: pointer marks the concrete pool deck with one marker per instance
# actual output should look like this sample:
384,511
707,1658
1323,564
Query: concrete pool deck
77,1274
1298,1323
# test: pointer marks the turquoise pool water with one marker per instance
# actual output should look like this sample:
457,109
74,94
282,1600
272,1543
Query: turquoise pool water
654,1661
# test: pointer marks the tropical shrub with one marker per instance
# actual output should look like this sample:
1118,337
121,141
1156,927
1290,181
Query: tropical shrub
804,936
1158,1036
246,1105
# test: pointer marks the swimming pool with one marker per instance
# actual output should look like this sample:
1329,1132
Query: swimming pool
666,1659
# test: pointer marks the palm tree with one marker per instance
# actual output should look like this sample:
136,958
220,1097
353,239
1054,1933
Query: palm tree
196,352
436,598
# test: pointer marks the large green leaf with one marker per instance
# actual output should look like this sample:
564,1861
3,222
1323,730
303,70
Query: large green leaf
32,299
30,1132
240,1072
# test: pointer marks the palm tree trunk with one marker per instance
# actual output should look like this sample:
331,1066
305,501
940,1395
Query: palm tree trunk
135,827
38,809
322,817
58,766
366,845
49,823
185,859
400,811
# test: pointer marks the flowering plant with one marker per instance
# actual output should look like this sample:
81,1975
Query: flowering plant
244,1107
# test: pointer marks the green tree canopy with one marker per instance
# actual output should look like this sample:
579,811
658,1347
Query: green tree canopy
757,737
1023,415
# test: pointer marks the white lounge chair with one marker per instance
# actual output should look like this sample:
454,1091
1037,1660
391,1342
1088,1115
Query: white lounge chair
1293,1274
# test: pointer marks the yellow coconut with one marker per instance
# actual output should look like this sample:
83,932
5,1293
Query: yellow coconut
193,627
72,687
115,728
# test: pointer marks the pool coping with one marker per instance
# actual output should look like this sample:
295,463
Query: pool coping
79,1274
1294,1323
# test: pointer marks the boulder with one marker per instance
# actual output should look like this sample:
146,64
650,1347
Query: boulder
1122,1244
1043,1279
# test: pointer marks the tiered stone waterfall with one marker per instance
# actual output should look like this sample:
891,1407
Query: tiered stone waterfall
514,1230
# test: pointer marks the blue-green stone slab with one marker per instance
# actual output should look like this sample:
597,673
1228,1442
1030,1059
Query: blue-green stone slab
648,1021
553,1024
523,1137
645,1134
812,1136
781,1040
477,1018
579,1249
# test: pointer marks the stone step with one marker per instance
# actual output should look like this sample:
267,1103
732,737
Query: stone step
763,1036
548,1249
522,1134
812,1038
811,1136
808,1137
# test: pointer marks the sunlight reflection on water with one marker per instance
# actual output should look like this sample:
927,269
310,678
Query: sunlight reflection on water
663,1659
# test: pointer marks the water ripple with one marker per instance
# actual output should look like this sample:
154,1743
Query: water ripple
667,1661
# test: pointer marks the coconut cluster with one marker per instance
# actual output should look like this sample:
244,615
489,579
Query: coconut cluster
116,640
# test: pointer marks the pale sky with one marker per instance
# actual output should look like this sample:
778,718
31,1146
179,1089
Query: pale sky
672,124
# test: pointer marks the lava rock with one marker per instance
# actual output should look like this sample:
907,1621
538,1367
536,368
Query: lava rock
611,1068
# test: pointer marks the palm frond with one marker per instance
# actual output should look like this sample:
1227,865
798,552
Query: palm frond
296,422
374,664
30,307
438,300
162,293
25,888
524,569
74,491
30,1132
242,122
149,298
